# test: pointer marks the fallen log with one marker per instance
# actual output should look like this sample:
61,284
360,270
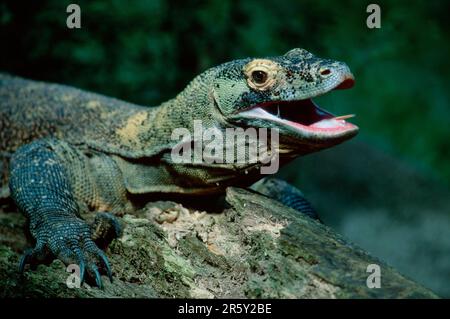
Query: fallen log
254,248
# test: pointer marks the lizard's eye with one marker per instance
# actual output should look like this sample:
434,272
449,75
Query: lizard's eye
261,74
259,77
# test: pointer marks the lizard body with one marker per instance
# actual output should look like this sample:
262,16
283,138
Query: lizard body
64,150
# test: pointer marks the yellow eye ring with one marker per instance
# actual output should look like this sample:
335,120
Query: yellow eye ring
261,74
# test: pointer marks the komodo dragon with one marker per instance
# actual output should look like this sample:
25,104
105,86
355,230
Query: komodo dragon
64,150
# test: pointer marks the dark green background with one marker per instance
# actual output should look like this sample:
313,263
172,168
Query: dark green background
147,51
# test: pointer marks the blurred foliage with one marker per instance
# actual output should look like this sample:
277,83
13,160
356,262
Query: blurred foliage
146,51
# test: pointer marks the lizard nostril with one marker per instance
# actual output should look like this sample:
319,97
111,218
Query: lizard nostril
325,72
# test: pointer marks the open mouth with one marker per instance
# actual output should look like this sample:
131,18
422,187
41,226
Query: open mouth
303,116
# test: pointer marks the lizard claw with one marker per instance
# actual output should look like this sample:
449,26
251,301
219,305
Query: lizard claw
31,256
24,259
98,278
106,264
82,272
72,246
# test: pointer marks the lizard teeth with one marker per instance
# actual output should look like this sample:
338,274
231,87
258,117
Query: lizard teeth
278,110
344,117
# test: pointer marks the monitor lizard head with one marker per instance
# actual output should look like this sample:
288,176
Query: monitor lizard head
277,92
178,145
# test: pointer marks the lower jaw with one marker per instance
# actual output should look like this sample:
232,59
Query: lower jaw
300,135
303,145
323,128
322,136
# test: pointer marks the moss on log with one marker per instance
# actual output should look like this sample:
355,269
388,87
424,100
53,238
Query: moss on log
254,248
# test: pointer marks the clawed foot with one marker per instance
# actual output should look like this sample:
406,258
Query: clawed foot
286,194
70,241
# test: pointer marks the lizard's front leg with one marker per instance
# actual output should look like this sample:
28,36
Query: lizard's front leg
40,185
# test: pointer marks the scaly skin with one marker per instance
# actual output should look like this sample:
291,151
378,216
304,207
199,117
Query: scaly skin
286,194
66,151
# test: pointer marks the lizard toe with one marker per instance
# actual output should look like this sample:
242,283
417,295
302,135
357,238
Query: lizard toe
105,228
32,256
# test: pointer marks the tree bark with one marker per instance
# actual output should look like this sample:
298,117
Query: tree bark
254,248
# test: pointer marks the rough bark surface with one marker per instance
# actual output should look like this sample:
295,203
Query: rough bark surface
254,248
